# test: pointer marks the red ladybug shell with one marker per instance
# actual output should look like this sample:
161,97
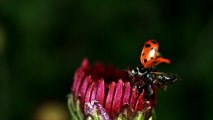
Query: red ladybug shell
149,53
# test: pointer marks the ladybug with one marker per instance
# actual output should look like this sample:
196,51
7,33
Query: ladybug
150,56
147,75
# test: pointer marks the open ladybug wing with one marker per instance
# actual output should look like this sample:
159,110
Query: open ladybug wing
155,62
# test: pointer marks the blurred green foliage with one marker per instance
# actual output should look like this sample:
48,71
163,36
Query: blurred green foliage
43,42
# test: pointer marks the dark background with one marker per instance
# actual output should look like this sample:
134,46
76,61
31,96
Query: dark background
43,42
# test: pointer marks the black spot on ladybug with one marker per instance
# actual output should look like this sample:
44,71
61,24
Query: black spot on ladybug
143,54
147,45
145,60
154,42
151,58
154,62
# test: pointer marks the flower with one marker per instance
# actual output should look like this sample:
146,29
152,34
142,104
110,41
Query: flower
101,93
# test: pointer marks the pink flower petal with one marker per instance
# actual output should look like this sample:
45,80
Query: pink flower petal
117,100
84,67
83,88
94,92
127,93
75,79
89,92
85,64
101,92
133,98
141,103
78,83
109,97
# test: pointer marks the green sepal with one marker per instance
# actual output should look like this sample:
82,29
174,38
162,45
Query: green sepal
151,118
123,116
139,116
74,108
95,114
71,107
78,110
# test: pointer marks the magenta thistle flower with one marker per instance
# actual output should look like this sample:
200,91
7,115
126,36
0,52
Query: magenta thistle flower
107,93
101,93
